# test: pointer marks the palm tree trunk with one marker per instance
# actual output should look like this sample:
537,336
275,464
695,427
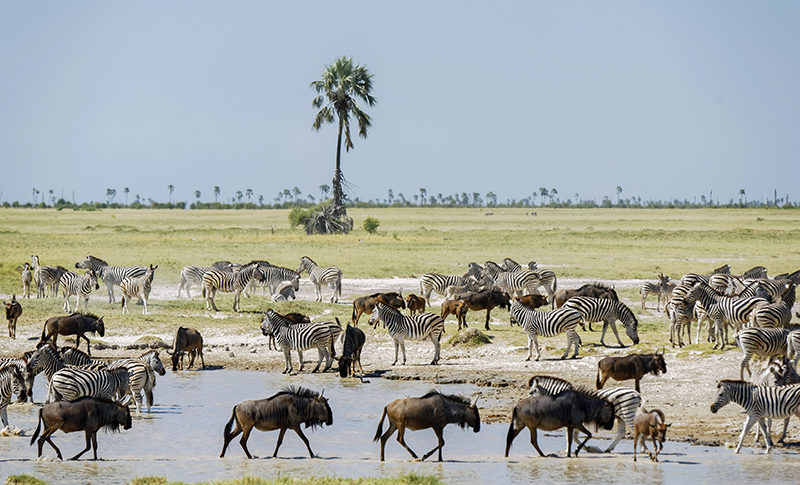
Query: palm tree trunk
338,209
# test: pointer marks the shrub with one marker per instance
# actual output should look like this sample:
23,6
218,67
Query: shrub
371,225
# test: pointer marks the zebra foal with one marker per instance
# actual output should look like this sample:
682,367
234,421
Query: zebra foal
547,324
137,288
331,276
415,327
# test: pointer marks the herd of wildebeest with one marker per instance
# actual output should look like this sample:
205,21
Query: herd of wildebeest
88,395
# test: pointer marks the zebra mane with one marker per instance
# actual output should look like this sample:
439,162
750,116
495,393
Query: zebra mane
735,382
452,397
306,257
556,380
63,269
724,269
298,391
96,260
76,350
148,353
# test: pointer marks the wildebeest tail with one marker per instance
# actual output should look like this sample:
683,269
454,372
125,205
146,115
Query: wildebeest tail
38,427
354,312
510,435
597,382
228,426
379,432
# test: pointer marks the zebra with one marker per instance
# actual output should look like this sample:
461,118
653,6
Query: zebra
692,279
723,310
430,282
764,342
193,275
137,288
141,376
70,383
547,324
235,282
657,288
547,278
332,276
299,337
415,327
758,403
626,401
46,278
11,382
46,360
777,314
80,286
27,278
518,283
793,345
111,275
776,373
284,294
275,276
606,311
28,378
681,315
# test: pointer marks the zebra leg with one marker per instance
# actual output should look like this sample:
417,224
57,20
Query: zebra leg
767,431
396,348
620,435
748,423
145,306
125,305
300,356
745,365
611,322
402,342
436,348
287,354
785,430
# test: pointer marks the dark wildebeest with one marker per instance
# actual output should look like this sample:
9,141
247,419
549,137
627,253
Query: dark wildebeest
351,353
13,312
568,409
596,290
486,300
366,304
287,409
76,324
415,304
85,414
433,410
633,366
457,308
187,340
650,425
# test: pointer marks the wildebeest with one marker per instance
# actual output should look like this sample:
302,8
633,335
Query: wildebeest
415,304
366,304
486,300
433,410
650,425
13,312
351,353
457,308
187,340
568,409
76,324
86,414
287,409
596,290
633,366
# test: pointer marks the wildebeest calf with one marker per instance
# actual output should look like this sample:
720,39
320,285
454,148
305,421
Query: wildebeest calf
13,312
633,366
650,425
415,304
457,308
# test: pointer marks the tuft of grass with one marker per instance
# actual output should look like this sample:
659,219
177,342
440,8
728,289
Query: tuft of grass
23,480
407,479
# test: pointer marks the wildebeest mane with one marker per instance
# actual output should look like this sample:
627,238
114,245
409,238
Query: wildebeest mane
452,397
598,284
298,391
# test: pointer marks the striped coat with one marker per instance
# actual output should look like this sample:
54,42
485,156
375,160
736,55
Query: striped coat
69,384
11,382
111,275
606,311
302,336
137,288
331,276
236,283
80,286
547,324
415,327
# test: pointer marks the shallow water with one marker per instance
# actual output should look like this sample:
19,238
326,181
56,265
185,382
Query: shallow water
182,437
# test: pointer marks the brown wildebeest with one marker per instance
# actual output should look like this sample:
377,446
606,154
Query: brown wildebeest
650,425
13,312
76,324
187,340
457,308
85,414
287,409
633,366
486,300
415,304
366,304
568,409
351,353
433,410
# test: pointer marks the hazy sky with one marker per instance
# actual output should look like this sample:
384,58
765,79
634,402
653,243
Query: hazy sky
665,99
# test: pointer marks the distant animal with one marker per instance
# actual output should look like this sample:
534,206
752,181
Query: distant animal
457,308
415,304
187,340
86,414
416,327
111,275
137,288
658,288
351,351
76,324
547,324
365,304
13,312
486,300
433,410
27,278
634,366
46,278
11,382
80,286
331,276
651,425
568,409
287,409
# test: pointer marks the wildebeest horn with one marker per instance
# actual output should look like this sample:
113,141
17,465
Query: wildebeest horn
322,394
475,402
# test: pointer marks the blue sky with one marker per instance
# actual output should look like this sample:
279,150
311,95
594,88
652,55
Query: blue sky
665,99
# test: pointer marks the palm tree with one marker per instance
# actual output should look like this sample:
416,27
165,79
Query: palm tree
296,192
111,193
342,83
249,193
742,194
619,191
216,192
239,195
171,190
197,195
323,190
127,191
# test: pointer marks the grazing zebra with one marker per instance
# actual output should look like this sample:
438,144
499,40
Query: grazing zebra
70,383
27,277
547,324
626,401
722,310
758,403
415,327
299,337
111,275
764,342
657,288
332,276
137,288
275,276
46,278
430,282
777,314
606,311
11,382
80,286
235,282
547,278
193,275
27,377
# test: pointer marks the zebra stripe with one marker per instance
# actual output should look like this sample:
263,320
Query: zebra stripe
137,288
547,278
793,345
69,384
777,314
776,373
193,275
284,294
80,286
28,377
547,324
11,382
626,401
723,311
275,275
111,275
519,283
758,403
46,360
27,278
606,311
46,277
332,276
304,336
764,342
415,327
430,282
235,282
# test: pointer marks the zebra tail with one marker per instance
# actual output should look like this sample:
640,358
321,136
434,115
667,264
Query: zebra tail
228,426
38,427
379,432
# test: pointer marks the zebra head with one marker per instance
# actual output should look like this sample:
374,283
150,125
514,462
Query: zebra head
154,361
724,395
266,325
377,313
